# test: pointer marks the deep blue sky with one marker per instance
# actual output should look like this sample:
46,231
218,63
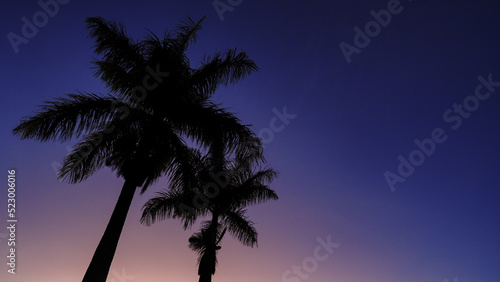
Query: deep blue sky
352,122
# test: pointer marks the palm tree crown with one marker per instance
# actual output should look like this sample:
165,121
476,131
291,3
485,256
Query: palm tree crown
223,195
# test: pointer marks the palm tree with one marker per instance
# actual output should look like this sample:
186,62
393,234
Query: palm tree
156,101
224,196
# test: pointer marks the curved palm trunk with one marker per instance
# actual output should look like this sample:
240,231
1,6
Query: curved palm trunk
103,255
207,263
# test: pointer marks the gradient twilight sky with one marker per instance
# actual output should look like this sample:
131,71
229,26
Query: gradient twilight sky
352,122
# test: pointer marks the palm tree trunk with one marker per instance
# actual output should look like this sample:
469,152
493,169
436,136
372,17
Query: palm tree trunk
103,256
208,270
206,273
205,276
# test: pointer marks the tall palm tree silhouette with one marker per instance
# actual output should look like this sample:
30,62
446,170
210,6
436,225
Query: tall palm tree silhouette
156,101
224,195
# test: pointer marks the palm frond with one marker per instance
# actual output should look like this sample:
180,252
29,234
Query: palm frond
87,157
240,227
251,191
113,145
248,178
183,175
122,57
171,204
115,76
222,69
197,243
207,123
187,32
257,194
112,41
69,117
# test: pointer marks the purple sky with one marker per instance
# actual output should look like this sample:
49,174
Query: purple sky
353,120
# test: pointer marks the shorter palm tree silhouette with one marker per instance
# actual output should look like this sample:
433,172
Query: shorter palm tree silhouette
223,198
